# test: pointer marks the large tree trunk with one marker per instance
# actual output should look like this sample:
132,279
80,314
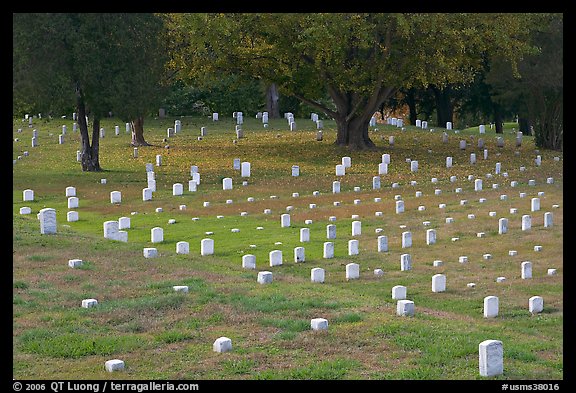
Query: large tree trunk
444,107
138,132
411,102
549,127
525,126
353,113
272,101
354,133
498,119
89,154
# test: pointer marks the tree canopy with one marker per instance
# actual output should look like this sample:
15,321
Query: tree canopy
96,63
359,60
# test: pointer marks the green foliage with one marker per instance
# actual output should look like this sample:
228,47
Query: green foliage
231,93
116,59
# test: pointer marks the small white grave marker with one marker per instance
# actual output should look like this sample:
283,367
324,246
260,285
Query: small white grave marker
264,277
87,303
319,324
74,263
114,365
222,344
405,308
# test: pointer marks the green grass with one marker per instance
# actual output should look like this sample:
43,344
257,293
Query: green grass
162,334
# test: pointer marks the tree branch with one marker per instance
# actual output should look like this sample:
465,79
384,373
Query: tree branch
315,104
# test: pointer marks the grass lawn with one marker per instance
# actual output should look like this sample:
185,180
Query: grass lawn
163,334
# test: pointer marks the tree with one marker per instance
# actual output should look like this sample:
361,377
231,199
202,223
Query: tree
95,62
536,92
140,82
272,98
359,60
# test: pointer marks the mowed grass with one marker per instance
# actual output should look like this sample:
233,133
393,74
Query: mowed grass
162,334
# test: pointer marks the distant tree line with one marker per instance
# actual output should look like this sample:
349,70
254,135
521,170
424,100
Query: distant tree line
477,68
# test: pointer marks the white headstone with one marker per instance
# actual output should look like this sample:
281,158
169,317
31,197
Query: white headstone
406,239
285,220
87,303
398,292
115,197
352,271
72,216
222,344
526,270
382,243
331,231
430,236
275,258
207,247
536,304
249,261
319,324
245,169
28,195
157,235
317,275
405,262
74,263
72,202
548,219
490,306
526,222
353,247
478,185
147,194
47,217
535,204
328,250
182,247
299,254
177,189
304,235
502,226
150,252
335,187
196,180
491,358
264,277
438,283
405,308
356,228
